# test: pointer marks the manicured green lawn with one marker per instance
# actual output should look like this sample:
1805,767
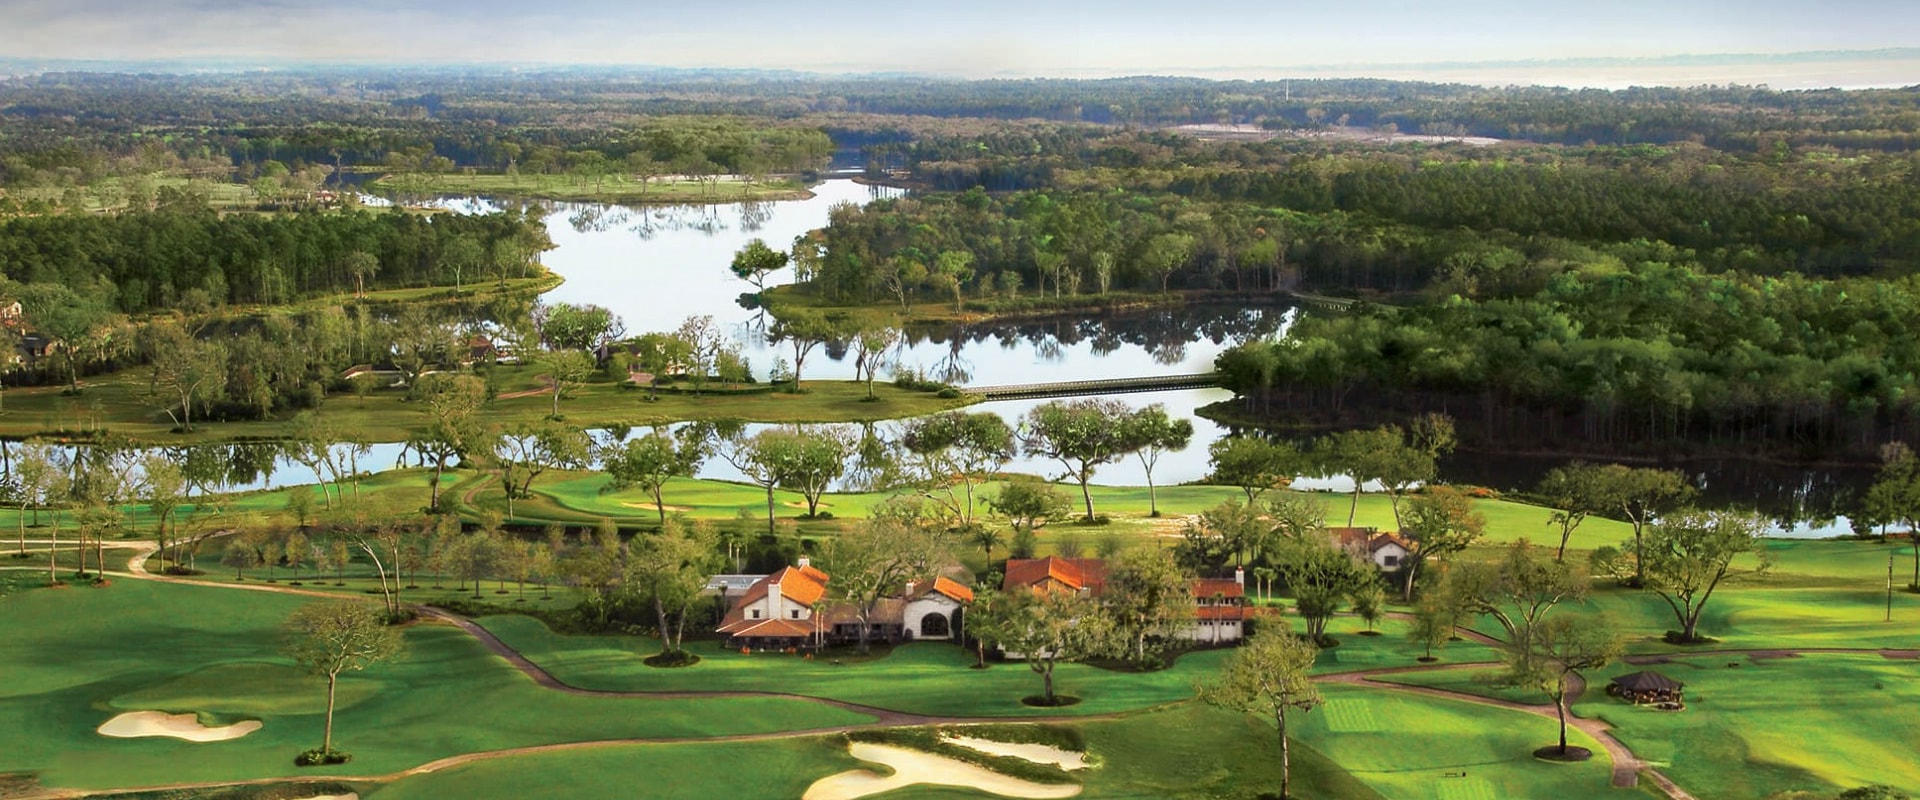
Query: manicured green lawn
775,770
1188,751
1391,648
1407,746
923,678
1477,682
1861,564
1818,723
1760,615
1197,751
76,657
67,556
1128,506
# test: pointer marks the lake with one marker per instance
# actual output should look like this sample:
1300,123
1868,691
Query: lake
657,265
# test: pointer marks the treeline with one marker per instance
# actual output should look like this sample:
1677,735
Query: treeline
1617,354
1808,211
64,123
181,255
44,145
949,247
679,146
991,250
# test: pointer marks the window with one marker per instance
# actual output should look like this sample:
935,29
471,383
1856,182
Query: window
796,613
1390,560
756,613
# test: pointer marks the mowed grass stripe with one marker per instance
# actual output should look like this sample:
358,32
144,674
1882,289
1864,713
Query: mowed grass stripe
1349,716
1465,788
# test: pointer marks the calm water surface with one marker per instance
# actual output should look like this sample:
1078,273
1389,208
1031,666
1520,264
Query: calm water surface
655,266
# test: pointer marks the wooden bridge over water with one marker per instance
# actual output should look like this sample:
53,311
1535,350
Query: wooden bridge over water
1150,383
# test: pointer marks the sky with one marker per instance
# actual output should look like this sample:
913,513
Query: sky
1221,38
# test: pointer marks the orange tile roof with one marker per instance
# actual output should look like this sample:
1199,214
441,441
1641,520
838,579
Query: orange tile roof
805,585
1208,587
1389,538
1221,612
953,589
1075,573
1350,537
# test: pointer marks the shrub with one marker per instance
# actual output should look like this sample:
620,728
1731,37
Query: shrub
675,659
1876,792
321,757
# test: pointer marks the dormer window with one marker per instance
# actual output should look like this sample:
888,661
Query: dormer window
756,613
796,613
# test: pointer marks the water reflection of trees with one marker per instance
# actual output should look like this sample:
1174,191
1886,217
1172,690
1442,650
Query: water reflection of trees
1787,494
646,222
754,215
1164,334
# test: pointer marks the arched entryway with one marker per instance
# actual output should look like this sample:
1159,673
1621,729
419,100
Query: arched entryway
934,626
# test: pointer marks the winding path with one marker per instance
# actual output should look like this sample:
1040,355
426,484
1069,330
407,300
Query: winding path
884,717
1626,767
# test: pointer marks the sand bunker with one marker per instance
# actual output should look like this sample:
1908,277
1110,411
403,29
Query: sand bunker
1036,753
671,508
347,796
140,724
912,766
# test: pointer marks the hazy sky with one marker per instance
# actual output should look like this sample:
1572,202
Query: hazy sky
986,37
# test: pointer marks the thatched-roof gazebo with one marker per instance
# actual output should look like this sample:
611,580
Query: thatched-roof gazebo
1647,687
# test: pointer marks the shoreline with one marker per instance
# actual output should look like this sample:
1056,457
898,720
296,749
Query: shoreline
1116,303
532,188
1221,413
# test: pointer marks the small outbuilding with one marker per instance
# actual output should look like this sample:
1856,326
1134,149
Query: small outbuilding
1648,687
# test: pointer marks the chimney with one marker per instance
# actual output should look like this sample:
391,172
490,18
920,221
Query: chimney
1240,575
805,562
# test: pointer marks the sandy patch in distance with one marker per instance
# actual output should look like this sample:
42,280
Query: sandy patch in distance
140,724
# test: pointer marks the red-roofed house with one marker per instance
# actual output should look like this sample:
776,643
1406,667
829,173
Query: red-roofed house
777,611
1056,574
1386,550
1220,604
789,610
934,612
1220,609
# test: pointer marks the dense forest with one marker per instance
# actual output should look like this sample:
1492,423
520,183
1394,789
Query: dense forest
70,126
1617,354
160,258
1727,264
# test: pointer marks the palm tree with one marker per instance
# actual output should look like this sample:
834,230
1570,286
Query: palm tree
988,538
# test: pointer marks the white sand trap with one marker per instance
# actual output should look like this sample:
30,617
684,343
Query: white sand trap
140,724
1036,753
347,796
912,766
671,508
